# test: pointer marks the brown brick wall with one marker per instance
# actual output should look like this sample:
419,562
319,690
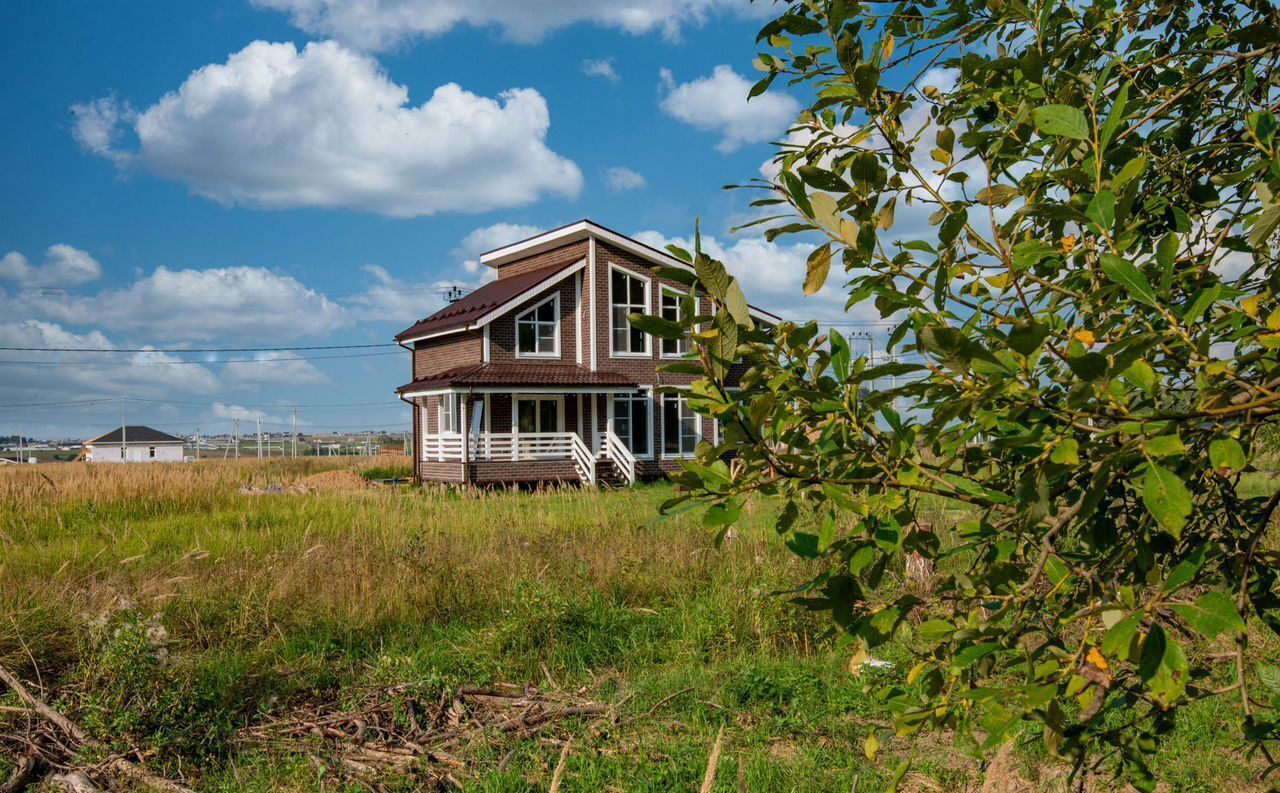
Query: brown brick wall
433,356
502,331
565,253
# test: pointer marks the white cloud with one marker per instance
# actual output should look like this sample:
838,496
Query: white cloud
486,238
97,126
391,299
195,305
281,368
619,178
772,275
383,24
43,376
248,417
325,127
718,103
602,67
63,266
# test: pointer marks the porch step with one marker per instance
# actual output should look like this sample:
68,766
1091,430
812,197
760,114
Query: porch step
608,475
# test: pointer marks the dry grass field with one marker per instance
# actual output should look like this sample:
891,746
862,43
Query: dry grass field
284,626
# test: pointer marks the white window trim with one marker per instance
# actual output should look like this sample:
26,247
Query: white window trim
646,395
554,299
515,410
679,296
451,400
648,309
662,435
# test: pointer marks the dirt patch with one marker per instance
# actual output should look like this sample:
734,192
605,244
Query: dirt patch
332,481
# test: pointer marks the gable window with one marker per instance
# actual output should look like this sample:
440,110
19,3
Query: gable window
680,433
628,294
538,330
673,309
448,408
631,423
151,452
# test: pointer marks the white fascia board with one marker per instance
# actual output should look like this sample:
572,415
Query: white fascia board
533,290
585,229
505,307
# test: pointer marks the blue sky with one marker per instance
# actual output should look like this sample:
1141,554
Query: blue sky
237,175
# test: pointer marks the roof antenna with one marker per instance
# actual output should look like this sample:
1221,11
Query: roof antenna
454,293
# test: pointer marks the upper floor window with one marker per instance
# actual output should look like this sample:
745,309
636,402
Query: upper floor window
628,294
538,330
672,309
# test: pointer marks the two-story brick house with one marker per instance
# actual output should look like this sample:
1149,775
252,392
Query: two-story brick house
538,376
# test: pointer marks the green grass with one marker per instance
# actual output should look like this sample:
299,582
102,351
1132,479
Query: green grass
172,611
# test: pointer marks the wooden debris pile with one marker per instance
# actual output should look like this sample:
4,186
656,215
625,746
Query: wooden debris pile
387,731
392,730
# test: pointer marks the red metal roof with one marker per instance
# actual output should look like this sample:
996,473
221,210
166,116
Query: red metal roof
482,301
520,374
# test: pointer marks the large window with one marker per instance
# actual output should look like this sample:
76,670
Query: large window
628,294
680,434
448,405
538,330
672,309
631,423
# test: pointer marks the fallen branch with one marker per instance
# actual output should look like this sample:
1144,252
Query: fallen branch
559,772
119,765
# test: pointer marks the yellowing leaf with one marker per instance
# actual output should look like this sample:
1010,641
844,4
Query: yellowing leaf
1096,658
1250,305
1068,244
859,658
888,46
871,746
1273,321
1085,337
825,211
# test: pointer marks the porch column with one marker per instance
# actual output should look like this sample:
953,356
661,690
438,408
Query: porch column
466,440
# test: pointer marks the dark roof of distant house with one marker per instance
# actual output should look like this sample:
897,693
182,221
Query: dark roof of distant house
482,301
134,434
516,374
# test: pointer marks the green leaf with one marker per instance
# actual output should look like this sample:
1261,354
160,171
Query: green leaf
1211,614
1066,452
1142,375
1062,121
1226,456
1185,570
1163,667
1166,498
1165,446
656,326
971,654
1102,211
819,266
1131,170
825,211
1116,641
935,630
1026,336
997,195
1125,273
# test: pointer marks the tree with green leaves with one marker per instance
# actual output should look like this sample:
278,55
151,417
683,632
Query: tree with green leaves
1067,214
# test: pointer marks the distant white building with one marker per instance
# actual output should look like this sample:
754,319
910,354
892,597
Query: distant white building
134,444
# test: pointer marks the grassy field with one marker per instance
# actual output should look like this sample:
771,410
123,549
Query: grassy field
195,613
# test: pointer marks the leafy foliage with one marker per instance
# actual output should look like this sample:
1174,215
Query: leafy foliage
1085,340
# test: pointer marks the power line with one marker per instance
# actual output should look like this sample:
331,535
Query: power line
197,363
199,349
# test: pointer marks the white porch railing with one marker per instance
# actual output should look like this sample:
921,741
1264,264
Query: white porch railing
621,456
487,446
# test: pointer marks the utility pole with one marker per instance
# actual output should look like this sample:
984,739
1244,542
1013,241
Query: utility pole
259,436
295,433
197,443
123,432
235,431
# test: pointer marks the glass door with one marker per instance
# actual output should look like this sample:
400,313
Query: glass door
534,415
